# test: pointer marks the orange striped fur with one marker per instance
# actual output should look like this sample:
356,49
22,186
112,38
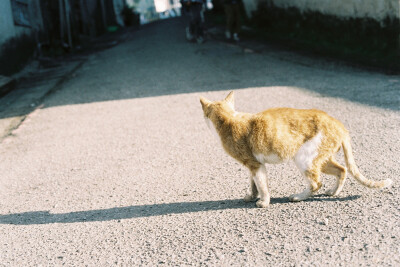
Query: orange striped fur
309,137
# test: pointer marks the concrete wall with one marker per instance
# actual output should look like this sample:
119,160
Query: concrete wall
375,9
7,27
118,7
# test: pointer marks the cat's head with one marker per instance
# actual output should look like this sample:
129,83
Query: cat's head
214,111
210,108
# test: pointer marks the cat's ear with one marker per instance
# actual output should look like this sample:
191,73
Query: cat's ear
204,102
230,99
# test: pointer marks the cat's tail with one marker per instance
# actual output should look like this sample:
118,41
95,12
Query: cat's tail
352,167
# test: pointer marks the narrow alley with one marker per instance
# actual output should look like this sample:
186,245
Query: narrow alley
117,167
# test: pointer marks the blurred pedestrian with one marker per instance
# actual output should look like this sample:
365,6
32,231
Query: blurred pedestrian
194,12
232,13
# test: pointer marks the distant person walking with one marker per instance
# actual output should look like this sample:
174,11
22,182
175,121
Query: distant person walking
232,13
194,12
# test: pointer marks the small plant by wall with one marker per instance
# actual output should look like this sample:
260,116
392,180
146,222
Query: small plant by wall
15,53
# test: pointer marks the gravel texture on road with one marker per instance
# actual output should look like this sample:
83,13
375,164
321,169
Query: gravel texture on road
119,168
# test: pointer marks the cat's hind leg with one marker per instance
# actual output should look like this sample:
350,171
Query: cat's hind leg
332,167
313,177
253,192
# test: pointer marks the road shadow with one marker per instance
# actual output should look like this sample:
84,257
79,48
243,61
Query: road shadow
159,54
141,211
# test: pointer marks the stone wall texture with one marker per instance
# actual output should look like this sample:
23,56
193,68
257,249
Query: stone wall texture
374,9
7,28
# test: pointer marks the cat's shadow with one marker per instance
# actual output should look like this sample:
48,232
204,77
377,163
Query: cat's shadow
140,211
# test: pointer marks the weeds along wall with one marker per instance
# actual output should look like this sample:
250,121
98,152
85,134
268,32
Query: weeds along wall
378,10
365,28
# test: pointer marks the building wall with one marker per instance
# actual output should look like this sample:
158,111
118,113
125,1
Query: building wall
118,7
375,9
6,21
9,29
146,8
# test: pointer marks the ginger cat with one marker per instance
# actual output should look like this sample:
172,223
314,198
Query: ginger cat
310,137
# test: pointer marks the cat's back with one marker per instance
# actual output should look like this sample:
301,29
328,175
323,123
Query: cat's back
291,113
306,121
282,131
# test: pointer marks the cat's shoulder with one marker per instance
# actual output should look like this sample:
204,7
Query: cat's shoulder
291,112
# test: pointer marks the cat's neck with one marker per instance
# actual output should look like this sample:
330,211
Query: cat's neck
225,119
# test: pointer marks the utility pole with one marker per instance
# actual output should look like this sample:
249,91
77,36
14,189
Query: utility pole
103,12
398,27
61,9
85,21
68,17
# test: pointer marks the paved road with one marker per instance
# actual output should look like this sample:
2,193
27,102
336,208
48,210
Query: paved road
119,168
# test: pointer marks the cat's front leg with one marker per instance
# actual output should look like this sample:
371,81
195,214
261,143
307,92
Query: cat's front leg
253,192
260,180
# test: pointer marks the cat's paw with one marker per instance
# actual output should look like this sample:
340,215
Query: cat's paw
262,204
294,198
249,198
331,192
299,197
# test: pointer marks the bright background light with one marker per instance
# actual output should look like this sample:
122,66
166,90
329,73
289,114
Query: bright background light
161,5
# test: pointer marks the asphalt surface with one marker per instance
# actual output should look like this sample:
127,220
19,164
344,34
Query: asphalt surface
117,166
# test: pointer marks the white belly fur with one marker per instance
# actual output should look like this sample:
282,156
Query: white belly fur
303,158
271,158
307,153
